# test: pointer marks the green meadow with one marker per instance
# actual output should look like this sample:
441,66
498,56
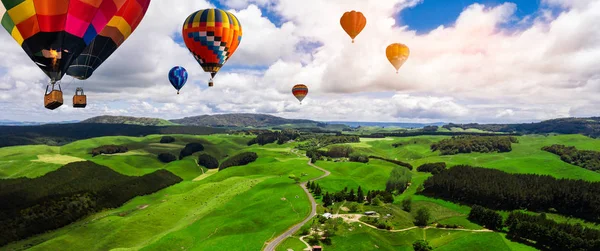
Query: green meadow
248,205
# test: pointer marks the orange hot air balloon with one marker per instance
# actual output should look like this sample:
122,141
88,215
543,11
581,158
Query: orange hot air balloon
300,91
397,54
353,23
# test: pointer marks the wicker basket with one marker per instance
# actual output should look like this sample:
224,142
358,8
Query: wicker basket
79,99
53,100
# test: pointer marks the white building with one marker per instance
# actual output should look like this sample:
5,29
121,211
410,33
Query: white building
327,215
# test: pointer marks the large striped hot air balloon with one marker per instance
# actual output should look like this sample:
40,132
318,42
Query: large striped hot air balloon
397,54
212,36
54,33
353,22
178,76
300,91
118,29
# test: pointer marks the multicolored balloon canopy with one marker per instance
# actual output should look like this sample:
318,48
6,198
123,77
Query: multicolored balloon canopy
118,29
178,76
397,54
353,22
212,36
300,91
54,33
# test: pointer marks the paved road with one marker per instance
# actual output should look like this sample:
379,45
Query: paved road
279,239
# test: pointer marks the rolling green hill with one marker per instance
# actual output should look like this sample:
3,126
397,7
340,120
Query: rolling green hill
241,120
218,210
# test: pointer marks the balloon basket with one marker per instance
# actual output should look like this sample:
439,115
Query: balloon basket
79,99
210,84
53,98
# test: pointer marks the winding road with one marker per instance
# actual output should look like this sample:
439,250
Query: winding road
279,239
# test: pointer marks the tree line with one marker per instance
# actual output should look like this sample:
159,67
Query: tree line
433,168
584,158
241,159
397,162
499,190
33,206
108,149
269,137
359,195
586,126
423,133
468,144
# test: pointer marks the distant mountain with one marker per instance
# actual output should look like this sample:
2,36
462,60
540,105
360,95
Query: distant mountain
586,126
241,120
387,124
127,121
4,122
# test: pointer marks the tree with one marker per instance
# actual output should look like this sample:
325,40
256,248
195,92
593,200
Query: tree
295,178
327,200
318,190
421,245
355,207
309,186
422,217
360,197
314,239
369,197
407,204
208,161
378,201
351,195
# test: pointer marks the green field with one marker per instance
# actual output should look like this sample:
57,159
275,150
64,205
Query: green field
246,206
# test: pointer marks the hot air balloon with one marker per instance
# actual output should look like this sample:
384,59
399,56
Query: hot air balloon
397,54
212,36
300,91
118,29
353,22
54,33
178,76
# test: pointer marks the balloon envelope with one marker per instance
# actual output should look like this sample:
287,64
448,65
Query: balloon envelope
212,36
54,33
397,54
118,29
300,91
178,76
353,22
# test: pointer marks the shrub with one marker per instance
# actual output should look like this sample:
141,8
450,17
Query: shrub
208,161
239,160
167,139
108,149
190,149
167,157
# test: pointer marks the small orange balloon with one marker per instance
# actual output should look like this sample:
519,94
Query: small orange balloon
353,22
397,54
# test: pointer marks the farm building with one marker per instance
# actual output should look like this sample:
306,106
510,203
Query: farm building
370,213
317,248
327,215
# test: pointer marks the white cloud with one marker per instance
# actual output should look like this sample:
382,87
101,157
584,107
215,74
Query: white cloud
471,71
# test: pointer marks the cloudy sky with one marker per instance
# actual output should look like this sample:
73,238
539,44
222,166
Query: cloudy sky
471,61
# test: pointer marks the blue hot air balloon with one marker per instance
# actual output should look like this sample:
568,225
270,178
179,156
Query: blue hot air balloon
178,76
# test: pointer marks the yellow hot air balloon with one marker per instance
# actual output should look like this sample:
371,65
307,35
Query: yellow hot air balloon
397,54
353,22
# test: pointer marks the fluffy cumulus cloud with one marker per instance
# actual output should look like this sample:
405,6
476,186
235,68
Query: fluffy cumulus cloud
479,69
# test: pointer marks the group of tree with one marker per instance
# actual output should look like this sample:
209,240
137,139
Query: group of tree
584,158
397,162
108,149
314,188
549,234
398,181
167,139
33,206
337,151
433,168
486,217
313,141
499,190
190,149
167,157
423,133
422,217
357,157
280,137
359,196
208,161
241,159
421,245
468,144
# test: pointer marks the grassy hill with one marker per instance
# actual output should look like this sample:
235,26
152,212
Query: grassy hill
106,119
241,120
585,126
218,210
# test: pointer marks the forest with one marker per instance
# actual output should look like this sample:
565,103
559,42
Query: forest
549,234
503,191
584,158
241,159
469,144
269,137
33,206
